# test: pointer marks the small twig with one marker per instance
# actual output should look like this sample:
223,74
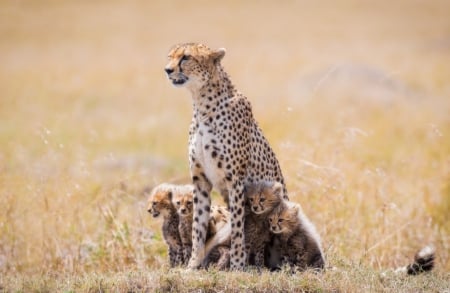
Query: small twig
386,238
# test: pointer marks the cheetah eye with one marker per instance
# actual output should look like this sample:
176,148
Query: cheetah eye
280,220
185,58
262,199
189,202
270,220
251,199
153,203
178,203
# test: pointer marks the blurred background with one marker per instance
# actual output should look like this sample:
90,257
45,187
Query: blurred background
354,97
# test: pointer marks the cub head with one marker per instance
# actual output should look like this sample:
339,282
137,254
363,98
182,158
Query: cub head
192,64
284,218
183,202
263,197
160,200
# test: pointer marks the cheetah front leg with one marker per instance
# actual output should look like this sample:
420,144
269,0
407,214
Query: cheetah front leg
259,255
175,256
202,205
187,248
237,251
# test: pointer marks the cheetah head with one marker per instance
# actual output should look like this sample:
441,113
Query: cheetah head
263,197
159,202
283,219
192,64
184,204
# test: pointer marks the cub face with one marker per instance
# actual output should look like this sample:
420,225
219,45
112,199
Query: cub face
263,197
283,219
191,64
159,202
184,204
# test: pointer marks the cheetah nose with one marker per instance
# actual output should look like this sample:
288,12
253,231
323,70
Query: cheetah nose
168,70
183,211
273,228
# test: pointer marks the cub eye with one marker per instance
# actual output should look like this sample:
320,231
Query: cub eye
178,203
189,202
270,220
251,199
153,203
262,199
280,220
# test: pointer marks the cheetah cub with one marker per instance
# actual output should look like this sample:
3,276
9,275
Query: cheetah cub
261,199
160,204
219,217
183,203
299,240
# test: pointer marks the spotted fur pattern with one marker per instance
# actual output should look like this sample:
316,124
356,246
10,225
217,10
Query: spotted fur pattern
219,217
262,198
299,240
227,149
160,205
183,202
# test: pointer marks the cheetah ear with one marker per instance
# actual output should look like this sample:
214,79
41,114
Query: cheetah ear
277,189
217,55
293,212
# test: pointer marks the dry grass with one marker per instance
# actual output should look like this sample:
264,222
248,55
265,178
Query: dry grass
354,97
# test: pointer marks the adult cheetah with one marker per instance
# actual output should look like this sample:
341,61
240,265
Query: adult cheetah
227,149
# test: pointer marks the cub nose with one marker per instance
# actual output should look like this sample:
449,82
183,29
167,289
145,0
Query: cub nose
168,70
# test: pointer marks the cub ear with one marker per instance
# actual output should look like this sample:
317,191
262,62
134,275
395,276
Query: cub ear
217,55
294,210
169,195
277,189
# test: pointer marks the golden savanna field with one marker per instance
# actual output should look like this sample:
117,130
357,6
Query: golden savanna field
354,97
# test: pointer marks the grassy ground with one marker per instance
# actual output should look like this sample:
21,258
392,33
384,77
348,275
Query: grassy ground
354,97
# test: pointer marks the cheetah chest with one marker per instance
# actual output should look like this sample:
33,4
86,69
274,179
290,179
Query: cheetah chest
208,154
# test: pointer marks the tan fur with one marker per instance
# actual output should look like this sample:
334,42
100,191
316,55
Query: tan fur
219,216
227,149
160,205
262,198
182,201
300,243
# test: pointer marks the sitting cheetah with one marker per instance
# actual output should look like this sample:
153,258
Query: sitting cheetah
227,149
183,203
262,198
299,240
160,203
219,216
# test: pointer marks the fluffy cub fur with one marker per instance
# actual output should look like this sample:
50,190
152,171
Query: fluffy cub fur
160,205
261,199
299,240
219,217
182,201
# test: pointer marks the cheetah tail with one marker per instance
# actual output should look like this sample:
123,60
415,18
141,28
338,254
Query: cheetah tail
423,262
222,237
